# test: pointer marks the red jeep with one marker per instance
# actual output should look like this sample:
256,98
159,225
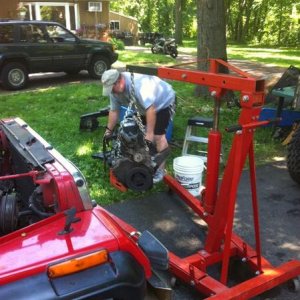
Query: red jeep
56,243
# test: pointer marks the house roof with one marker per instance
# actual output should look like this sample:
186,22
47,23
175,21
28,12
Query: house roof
121,15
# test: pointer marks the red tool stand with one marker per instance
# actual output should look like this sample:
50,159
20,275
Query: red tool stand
217,204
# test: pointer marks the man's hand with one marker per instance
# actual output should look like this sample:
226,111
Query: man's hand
107,134
149,136
151,147
113,117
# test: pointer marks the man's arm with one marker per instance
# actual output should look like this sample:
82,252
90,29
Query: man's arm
113,118
150,123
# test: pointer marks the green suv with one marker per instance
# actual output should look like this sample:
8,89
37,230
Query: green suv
39,46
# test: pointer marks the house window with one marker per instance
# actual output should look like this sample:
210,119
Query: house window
114,25
95,6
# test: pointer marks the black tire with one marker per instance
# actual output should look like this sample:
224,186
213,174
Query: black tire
174,53
153,50
14,76
98,66
8,214
293,156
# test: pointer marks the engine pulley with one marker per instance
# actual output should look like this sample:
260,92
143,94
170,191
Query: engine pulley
139,179
133,175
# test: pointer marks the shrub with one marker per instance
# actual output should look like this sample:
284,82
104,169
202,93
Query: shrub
119,45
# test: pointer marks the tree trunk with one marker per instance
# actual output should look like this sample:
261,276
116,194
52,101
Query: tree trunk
211,34
280,25
178,21
229,17
258,24
240,23
248,10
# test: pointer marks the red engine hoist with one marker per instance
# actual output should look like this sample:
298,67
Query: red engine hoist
217,203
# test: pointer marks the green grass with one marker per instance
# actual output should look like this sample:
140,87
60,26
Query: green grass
282,57
55,114
144,58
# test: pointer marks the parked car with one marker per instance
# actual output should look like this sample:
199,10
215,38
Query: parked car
55,242
38,46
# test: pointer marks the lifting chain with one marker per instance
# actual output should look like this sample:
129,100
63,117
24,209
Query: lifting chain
133,107
133,103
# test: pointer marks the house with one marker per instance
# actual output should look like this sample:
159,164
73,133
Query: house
124,27
91,19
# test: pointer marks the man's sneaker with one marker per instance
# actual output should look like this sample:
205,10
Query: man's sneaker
159,175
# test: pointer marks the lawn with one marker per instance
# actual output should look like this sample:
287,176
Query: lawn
281,57
55,113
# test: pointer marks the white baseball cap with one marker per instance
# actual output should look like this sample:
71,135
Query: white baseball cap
108,79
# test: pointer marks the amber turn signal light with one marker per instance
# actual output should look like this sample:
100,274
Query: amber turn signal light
78,264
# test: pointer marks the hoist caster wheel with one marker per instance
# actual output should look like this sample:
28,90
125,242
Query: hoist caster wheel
294,284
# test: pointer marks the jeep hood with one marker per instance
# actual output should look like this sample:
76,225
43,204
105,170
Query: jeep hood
30,250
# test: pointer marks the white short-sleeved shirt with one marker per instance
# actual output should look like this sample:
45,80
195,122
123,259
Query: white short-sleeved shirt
149,90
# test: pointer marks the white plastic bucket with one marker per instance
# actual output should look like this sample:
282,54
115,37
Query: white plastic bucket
188,172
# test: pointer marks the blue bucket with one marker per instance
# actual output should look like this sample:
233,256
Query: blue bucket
169,131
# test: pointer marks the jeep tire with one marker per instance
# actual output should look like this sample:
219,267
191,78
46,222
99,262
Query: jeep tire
293,156
98,65
14,76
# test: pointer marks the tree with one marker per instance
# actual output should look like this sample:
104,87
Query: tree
268,22
178,21
211,34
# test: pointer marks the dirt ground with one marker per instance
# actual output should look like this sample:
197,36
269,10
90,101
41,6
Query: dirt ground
270,73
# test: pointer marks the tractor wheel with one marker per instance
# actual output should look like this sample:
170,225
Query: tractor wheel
293,156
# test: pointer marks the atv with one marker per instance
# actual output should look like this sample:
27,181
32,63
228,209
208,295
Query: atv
55,242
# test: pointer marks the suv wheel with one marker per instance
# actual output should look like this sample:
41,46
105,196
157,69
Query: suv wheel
98,66
14,76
